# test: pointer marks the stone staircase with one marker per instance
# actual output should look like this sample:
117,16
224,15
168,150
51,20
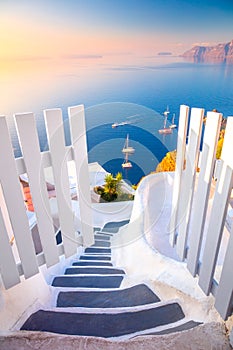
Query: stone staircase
91,302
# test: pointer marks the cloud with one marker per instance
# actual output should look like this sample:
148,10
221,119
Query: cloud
119,53
82,56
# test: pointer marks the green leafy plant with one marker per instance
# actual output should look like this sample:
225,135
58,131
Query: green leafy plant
111,190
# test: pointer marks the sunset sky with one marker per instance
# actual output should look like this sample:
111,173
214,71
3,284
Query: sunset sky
43,43
84,29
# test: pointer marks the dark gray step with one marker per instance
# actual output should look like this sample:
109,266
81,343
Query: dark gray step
88,281
95,257
137,295
98,250
93,271
92,263
102,244
183,327
103,325
113,227
102,237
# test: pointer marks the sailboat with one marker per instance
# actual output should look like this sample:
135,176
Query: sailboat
127,148
166,112
173,125
165,130
126,163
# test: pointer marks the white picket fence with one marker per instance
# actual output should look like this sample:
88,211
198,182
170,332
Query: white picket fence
33,163
190,201
190,204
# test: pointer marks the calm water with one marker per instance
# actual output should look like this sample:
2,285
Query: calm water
138,94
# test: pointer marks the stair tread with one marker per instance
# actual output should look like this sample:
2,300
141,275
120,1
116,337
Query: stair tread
92,263
98,250
113,227
88,281
102,237
103,325
95,257
101,244
93,270
133,296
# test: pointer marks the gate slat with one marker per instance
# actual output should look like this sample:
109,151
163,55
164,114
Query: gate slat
28,137
188,179
201,198
224,295
15,203
218,212
8,268
180,158
79,142
56,140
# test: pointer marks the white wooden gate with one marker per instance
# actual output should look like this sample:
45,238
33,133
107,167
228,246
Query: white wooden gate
190,205
13,214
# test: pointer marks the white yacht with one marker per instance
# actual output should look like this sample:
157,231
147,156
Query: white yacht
126,163
173,125
127,148
165,130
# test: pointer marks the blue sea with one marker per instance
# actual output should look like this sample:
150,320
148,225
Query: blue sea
136,94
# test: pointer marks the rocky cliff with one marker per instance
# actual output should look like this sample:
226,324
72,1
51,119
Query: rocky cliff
217,53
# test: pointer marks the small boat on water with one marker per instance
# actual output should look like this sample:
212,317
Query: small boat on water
173,125
128,149
165,130
165,113
115,125
126,164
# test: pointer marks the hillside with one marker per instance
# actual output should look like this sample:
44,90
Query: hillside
217,53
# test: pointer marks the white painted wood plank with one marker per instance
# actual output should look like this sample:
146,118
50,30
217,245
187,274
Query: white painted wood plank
224,295
8,268
29,142
188,179
20,165
218,212
56,140
15,203
180,158
79,142
201,199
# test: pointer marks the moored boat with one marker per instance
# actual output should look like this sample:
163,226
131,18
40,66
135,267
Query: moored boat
173,125
127,148
165,130
127,163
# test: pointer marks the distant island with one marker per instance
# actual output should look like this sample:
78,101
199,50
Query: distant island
164,53
221,53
